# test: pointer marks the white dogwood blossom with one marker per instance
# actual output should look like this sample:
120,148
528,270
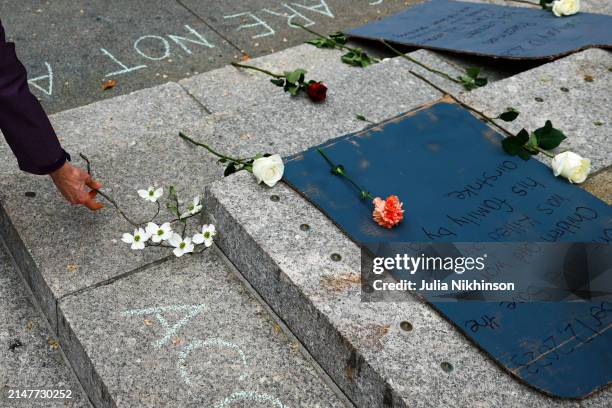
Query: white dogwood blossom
181,246
159,233
137,240
193,208
206,237
151,194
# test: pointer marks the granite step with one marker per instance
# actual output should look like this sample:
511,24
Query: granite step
29,355
96,293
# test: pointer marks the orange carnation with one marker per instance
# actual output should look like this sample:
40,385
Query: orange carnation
388,213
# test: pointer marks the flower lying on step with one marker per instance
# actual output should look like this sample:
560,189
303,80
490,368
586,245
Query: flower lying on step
137,240
293,82
206,237
387,213
269,169
151,194
561,8
181,245
570,165
265,167
193,208
150,233
159,233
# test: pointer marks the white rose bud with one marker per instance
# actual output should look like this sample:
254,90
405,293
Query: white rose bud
572,166
565,7
269,169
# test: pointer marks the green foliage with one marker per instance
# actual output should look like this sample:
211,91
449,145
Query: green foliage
471,80
357,58
292,81
173,203
509,115
548,137
525,145
332,41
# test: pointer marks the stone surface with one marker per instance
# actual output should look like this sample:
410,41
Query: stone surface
69,36
265,26
361,345
225,352
133,143
600,185
378,91
573,92
28,358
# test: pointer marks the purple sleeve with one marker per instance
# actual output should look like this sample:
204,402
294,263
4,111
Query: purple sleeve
23,121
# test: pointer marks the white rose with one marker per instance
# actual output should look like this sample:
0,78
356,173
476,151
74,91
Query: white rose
565,7
572,166
269,169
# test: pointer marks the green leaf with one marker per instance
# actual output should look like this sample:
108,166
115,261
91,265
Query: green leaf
532,144
480,82
472,72
524,154
278,81
339,38
509,115
357,58
322,43
230,169
296,76
548,137
513,145
361,117
522,136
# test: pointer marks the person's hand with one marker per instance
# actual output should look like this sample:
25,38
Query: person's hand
77,186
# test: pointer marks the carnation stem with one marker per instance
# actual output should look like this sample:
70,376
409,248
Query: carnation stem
427,67
339,171
341,46
222,156
272,74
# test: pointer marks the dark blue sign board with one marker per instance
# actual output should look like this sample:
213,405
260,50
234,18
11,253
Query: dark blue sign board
490,30
458,185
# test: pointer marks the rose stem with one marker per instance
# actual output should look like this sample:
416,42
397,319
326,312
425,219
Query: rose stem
342,46
222,156
544,152
338,170
409,58
272,74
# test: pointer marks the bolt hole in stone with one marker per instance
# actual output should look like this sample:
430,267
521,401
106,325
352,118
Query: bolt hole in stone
406,326
336,257
446,366
367,288
305,227
275,198
30,194
538,99
564,89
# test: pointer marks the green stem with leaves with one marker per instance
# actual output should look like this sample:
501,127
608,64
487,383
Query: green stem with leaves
211,150
264,71
339,171
338,45
545,152
427,67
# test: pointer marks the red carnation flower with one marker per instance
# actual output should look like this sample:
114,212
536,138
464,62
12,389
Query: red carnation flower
388,213
317,91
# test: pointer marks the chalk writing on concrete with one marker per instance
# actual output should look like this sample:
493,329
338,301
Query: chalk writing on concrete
191,312
210,343
183,42
250,396
48,90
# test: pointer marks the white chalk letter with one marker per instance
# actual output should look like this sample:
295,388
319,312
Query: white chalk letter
164,42
290,17
49,77
125,69
258,22
321,8
181,40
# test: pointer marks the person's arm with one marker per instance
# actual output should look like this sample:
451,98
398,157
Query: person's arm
31,137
